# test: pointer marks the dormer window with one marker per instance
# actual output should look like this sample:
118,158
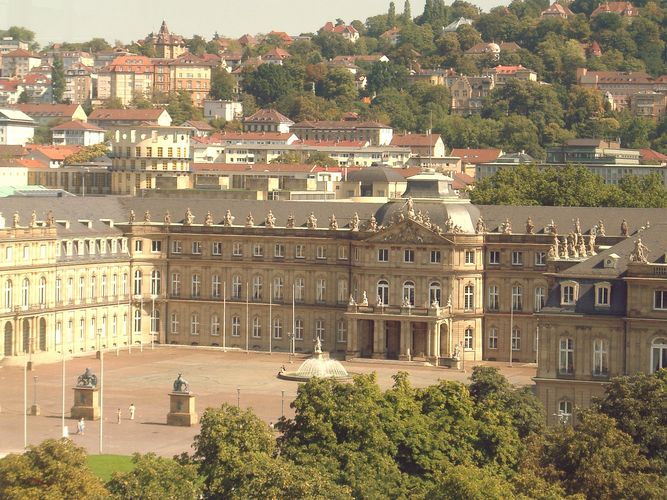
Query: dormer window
602,294
569,292
610,261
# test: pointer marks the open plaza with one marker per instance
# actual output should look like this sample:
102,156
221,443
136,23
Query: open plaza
145,378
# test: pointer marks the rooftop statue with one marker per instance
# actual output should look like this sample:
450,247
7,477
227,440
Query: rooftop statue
373,225
270,220
189,218
87,379
601,230
180,384
530,227
577,226
208,220
33,219
147,217
333,223
250,220
311,222
506,227
624,228
131,218
640,252
354,222
229,218
50,219
480,227
410,206
290,221
167,218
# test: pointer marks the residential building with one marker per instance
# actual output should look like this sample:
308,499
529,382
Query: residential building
648,104
16,127
461,21
227,110
12,174
346,31
192,74
50,156
470,158
618,86
506,160
557,10
18,63
111,118
162,71
77,133
623,9
10,91
167,45
150,156
37,88
275,56
49,114
78,84
468,93
502,74
377,134
267,120
392,35
9,44
421,145
125,78
199,128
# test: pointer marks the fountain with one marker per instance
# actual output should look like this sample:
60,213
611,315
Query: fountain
319,365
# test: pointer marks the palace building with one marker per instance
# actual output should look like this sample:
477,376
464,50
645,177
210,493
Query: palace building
426,276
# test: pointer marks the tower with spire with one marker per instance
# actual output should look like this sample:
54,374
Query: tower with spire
168,45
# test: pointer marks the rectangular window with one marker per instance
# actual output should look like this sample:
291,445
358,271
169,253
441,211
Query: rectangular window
196,247
300,252
175,284
517,258
469,256
321,290
237,250
195,286
216,248
540,258
566,356
540,298
408,255
517,298
568,295
256,328
494,298
319,329
174,324
383,255
436,257
257,250
342,252
138,246
176,246
298,329
341,331
321,252
468,298
279,251
602,296
156,246
600,357
493,338
216,287
467,339
236,326
299,286
494,256
516,339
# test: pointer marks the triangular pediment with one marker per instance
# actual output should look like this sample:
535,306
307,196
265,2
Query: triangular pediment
406,231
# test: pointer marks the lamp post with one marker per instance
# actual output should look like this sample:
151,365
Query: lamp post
238,397
65,432
99,336
511,326
153,321
25,405
282,404
35,409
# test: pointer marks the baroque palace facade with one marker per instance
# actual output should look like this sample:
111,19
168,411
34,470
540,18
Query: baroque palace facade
427,276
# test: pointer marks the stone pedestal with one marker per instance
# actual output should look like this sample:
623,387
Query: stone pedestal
86,403
34,410
182,409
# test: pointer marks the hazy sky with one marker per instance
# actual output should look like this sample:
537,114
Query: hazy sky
127,20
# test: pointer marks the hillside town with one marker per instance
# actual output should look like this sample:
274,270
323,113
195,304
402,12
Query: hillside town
428,191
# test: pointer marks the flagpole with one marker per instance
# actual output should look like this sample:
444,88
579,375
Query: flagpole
270,318
293,322
247,315
224,316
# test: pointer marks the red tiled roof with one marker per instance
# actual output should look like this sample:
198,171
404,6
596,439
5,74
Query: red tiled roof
342,144
198,124
509,69
9,85
36,79
282,35
130,64
557,9
418,140
338,124
55,153
78,125
39,109
30,163
462,181
267,115
276,53
620,8
647,154
476,156
256,167
151,114
21,53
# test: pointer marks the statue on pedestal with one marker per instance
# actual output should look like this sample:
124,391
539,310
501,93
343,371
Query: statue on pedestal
373,225
33,219
167,218
249,220
577,226
506,227
181,385
290,221
364,299
208,220
352,302
601,230
624,228
410,206
189,218
131,218
530,227
449,224
333,223
147,217
551,228
87,379
640,252
50,219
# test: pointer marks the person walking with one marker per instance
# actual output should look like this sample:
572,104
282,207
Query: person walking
81,426
132,410
118,414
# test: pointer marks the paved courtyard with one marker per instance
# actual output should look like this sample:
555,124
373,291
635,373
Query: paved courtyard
145,379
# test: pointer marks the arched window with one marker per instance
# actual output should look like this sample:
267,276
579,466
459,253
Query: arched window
257,283
93,287
174,324
342,292
236,287
564,411
540,298
600,357
277,328
469,297
175,284
155,321
215,325
25,292
195,289
156,282
566,356
194,324
138,277
516,339
383,292
216,286
278,288
409,293
236,326
137,321
434,294
299,289
42,291
9,294
468,338
321,290
658,354
517,297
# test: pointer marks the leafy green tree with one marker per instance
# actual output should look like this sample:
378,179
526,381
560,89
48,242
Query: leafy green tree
57,79
181,109
386,74
23,97
322,159
642,191
638,404
54,469
519,133
197,45
270,82
468,36
407,12
332,44
86,154
113,103
465,482
222,84
636,131
140,101
339,85
598,460
291,157
583,104
398,106
156,478
306,106
391,15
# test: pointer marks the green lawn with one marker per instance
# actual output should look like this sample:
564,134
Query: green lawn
105,465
